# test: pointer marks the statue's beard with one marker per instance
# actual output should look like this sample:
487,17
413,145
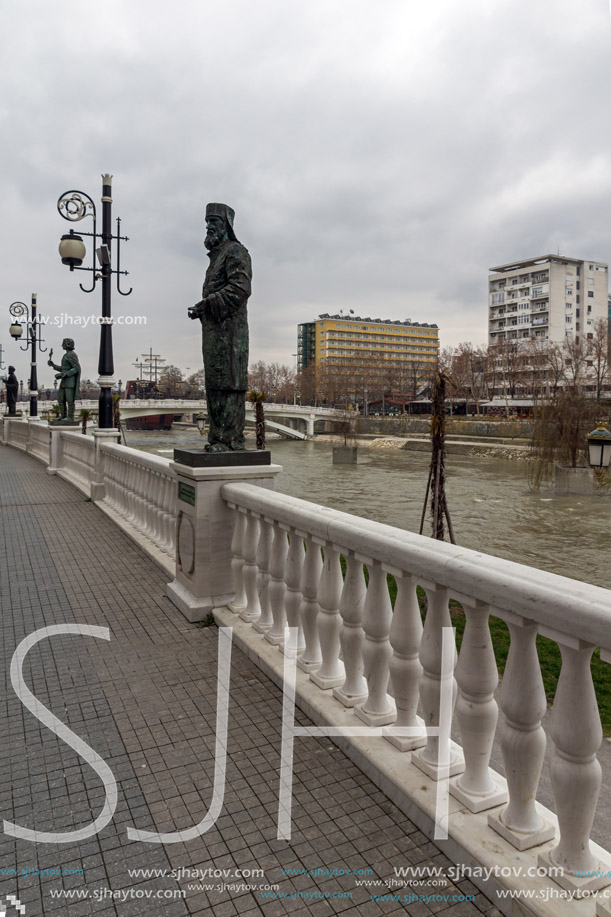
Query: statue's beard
212,240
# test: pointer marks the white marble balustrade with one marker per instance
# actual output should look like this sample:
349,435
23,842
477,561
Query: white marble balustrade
141,489
384,665
78,459
16,433
39,440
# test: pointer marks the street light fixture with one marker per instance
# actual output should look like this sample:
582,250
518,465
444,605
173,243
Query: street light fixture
75,206
599,447
32,324
200,420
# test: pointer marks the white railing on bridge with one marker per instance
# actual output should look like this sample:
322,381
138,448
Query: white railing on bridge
77,459
301,565
141,489
288,572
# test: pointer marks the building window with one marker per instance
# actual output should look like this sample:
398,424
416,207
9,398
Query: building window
568,305
568,291
569,319
591,281
591,294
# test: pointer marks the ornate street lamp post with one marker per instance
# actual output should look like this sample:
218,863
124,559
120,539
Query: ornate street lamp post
32,323
75,206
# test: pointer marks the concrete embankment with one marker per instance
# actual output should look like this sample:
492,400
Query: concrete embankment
494,447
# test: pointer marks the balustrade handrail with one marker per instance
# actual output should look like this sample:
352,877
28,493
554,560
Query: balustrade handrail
563,605
126,453
77,437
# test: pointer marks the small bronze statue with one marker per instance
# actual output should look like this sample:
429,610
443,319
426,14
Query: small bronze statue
222,312
12,390
69,372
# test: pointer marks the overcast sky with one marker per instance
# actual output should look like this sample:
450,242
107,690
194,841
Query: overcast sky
379,156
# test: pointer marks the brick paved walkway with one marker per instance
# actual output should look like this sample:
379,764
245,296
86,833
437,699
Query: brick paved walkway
146,702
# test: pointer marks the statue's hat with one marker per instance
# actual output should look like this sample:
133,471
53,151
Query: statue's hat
226,213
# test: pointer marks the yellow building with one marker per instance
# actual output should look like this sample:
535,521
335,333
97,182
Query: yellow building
387,352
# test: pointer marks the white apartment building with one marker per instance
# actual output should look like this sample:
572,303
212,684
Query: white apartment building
546,298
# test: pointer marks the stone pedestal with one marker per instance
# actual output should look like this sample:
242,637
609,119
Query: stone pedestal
204,529
55,456
98,488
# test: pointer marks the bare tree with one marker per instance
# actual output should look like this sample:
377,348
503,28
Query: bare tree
575,362
597,353
171,381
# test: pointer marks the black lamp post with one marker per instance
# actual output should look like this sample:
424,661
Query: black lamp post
74,206
32,323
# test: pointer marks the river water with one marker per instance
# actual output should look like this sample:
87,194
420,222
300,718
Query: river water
491,506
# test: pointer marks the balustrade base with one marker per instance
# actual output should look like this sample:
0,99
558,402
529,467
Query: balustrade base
378,719
519,839
260,627
497,797
349,700
434,771
236,609
580,887
327,682
275,639
250,617
402,741
195,609
308,666
287,649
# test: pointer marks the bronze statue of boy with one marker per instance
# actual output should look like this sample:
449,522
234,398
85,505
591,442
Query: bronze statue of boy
222,312
69,372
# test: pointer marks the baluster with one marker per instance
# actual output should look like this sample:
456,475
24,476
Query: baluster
477,711
379,708
249,571
158,526
164,540
575,770
171,505
437,617
523,705
331,673
168,517
354,689
127,475
237,562
107,478
140,522
148,518
277,586
264,550
405,669
294,646
311,658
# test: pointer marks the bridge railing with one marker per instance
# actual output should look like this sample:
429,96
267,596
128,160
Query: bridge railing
326,574
141,489
332,578
77,463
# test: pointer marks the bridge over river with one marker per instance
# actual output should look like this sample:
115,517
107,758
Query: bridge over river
290,420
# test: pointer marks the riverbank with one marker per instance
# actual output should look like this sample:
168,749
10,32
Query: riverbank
474,446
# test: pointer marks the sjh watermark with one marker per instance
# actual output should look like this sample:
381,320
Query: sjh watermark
82,321
289,733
